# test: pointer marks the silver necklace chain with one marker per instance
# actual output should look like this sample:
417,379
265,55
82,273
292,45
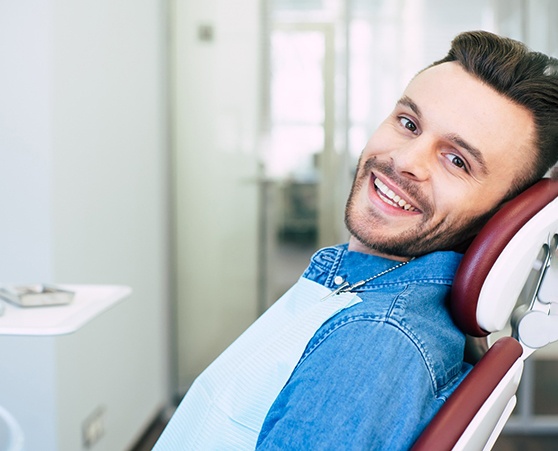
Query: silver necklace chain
346,287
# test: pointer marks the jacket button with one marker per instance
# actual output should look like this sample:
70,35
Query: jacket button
338,280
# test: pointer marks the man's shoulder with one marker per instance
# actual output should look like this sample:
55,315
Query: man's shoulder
415,314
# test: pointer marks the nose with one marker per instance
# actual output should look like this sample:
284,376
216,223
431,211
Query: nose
414,159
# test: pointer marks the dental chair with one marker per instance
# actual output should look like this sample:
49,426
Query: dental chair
508,278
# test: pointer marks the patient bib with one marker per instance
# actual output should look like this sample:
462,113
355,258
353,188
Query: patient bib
227,404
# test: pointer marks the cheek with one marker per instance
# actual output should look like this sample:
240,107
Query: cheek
462,201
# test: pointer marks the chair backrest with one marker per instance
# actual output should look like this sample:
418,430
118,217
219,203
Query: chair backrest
493,274
497,263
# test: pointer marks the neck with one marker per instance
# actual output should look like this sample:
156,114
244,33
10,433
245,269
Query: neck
357,246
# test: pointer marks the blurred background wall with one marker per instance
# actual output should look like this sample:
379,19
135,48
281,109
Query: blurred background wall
84,154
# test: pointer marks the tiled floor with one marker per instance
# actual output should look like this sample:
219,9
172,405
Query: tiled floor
150,436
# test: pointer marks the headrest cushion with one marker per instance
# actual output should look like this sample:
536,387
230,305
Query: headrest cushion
487,248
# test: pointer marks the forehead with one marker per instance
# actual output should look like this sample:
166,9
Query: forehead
452,102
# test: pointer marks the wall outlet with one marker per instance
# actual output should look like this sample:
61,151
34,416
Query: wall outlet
93,427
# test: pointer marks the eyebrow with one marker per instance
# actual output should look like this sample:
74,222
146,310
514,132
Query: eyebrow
406,101
473,151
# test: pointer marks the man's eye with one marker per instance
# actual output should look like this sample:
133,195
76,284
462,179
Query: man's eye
408,124
456,161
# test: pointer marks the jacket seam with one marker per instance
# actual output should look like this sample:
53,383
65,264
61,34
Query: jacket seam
327,265
374,287
390,322
334,267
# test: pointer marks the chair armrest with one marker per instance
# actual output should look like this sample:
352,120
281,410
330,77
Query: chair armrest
454,417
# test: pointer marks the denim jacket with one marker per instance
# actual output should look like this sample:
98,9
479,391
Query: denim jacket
375,374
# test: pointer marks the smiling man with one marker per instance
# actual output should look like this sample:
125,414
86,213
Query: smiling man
362,352
439,165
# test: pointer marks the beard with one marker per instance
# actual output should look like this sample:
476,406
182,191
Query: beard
425,237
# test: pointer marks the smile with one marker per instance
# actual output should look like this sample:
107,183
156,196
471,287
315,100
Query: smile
390,198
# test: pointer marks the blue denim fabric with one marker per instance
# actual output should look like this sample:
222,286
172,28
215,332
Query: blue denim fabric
375,374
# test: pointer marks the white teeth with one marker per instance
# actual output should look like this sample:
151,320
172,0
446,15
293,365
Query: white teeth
389,197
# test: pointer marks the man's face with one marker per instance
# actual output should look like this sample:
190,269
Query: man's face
438,165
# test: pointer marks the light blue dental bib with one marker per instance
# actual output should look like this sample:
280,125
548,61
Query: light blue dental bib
227,404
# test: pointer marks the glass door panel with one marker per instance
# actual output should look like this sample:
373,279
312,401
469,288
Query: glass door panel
294,155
